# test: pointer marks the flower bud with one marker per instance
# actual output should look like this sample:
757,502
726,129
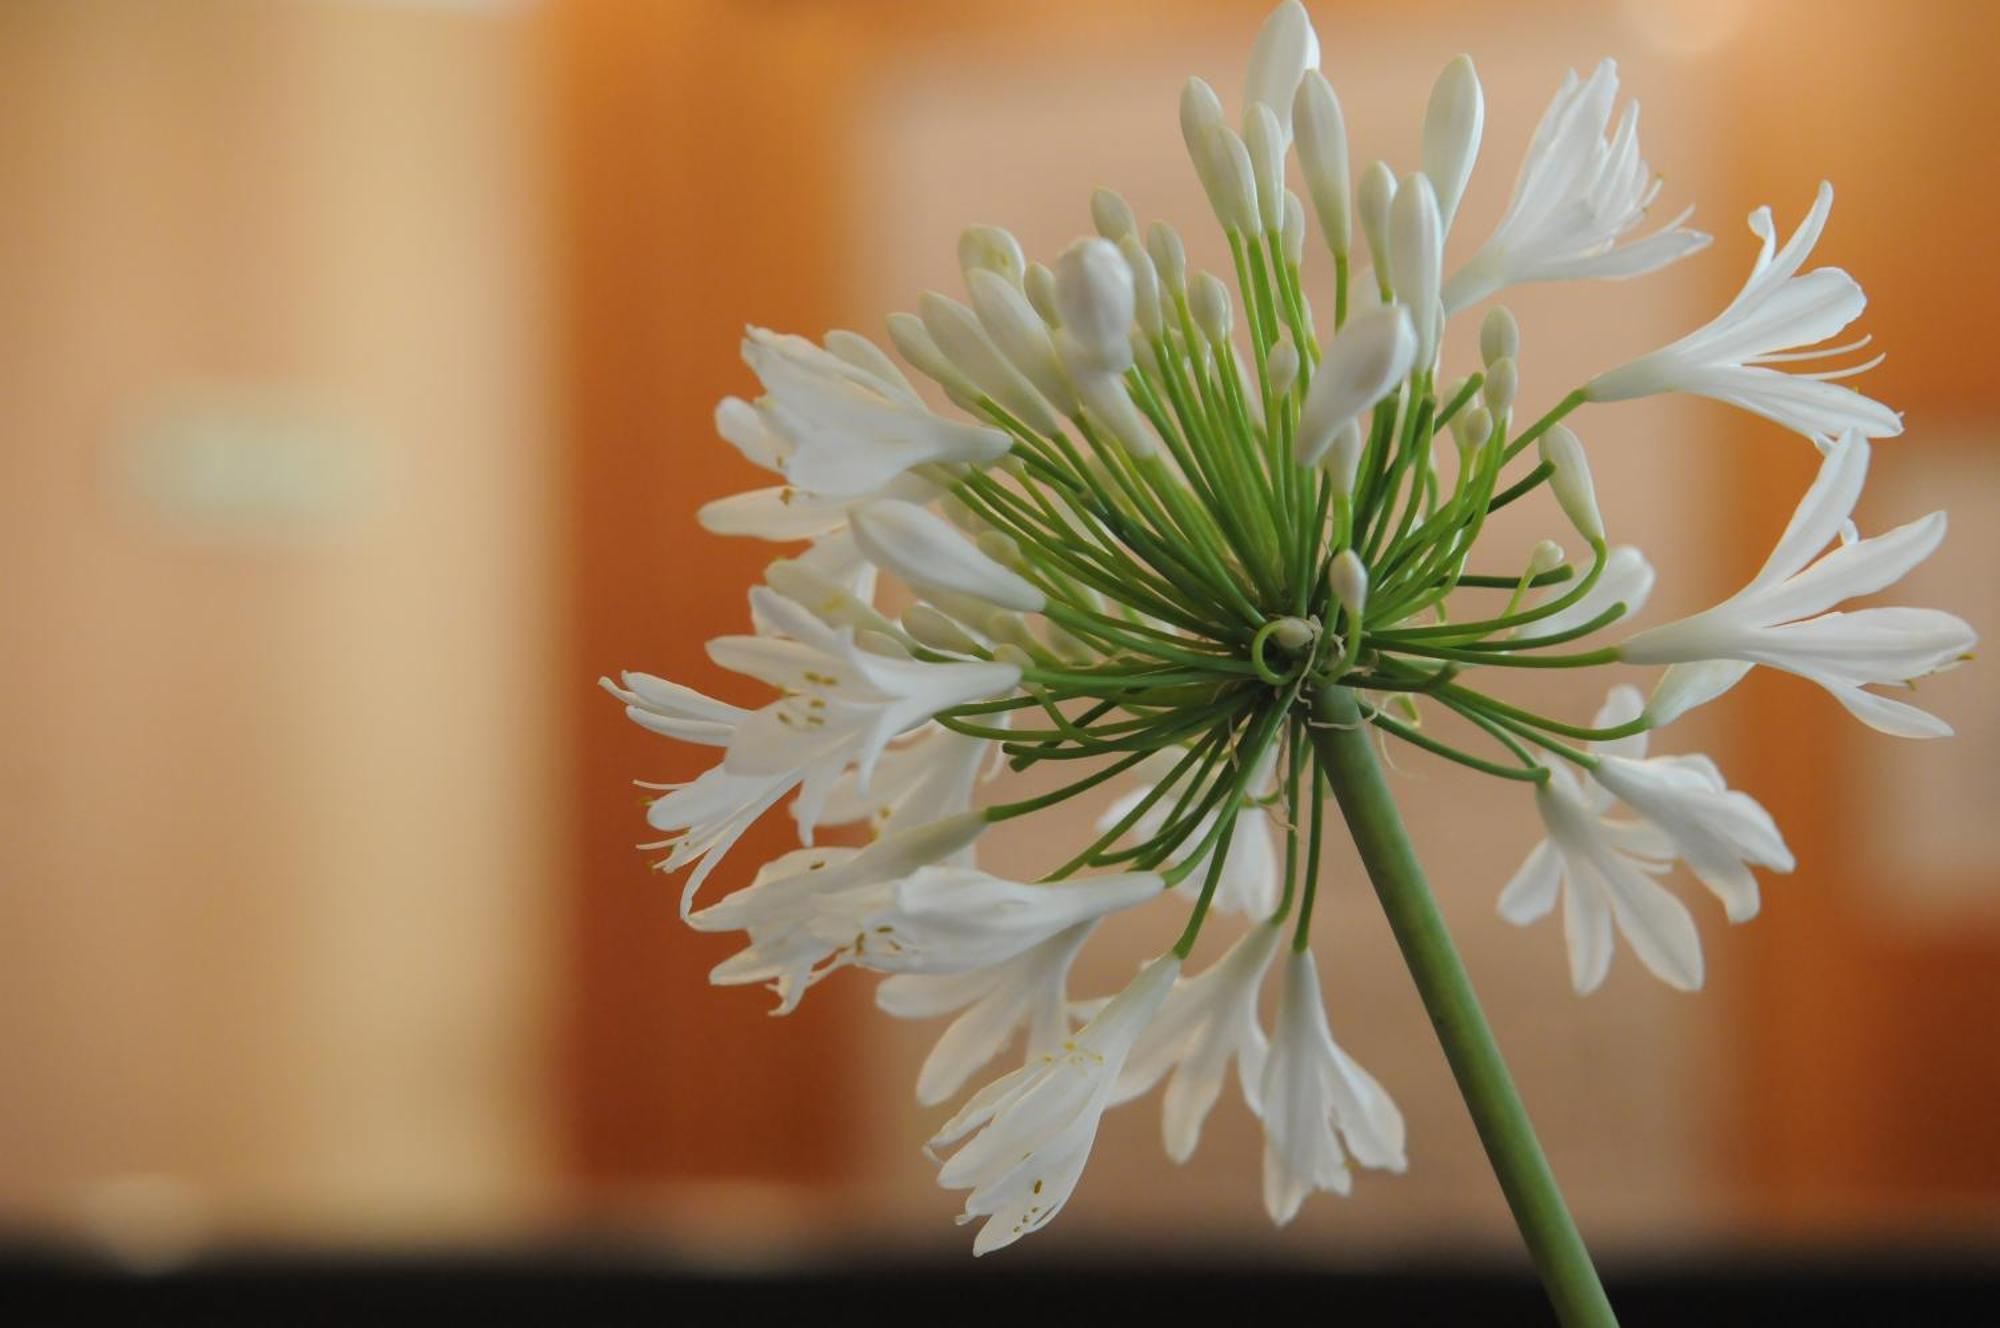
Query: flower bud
1021,335
1285,49
1145,285
1452,125
1546,556
1283,365
1322,149
1343,459
1294,633
1264,140
914,343
928,627
868,357
1416,250
903,852
1502,382
1201,111
1292,234
920,547
1040,288
1169,255
1570,482
1095,298
1349,579
991,248
1373,199
1208,301
1363,363
1471,427
957,333
1017,642
1104,396
1001,547
1112,215
1235,193
1499,335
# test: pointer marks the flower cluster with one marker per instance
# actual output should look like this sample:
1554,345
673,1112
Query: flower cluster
1175,510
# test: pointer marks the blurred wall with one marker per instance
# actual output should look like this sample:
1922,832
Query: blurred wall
280,591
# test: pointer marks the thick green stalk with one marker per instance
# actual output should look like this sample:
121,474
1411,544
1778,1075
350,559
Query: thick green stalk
1342,742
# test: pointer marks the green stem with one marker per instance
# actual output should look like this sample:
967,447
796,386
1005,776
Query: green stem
1341,739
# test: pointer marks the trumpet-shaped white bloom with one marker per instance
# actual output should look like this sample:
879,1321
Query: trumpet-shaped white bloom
852,431
1320,1106
1031,989
931,775
1605,869
796,913
1785,617
1206,1022
1034,1127
1250,881
1777,311
959,919
1578,196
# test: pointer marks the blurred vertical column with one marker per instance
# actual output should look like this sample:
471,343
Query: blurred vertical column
703,146
278,750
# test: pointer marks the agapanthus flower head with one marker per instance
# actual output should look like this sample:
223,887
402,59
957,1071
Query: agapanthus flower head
1184,543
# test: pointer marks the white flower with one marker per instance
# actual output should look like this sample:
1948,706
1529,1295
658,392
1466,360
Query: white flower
1716,831
1030,988
1782,618
1205,1023
930,776
958,919
1627,579
1316,1099
1776,311
1285,49
1416,249
853,431
1036,1125
1453,123
1577,197
1250,881
1605,868
796,914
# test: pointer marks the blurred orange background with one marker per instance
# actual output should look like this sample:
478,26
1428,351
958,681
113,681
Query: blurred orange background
355,381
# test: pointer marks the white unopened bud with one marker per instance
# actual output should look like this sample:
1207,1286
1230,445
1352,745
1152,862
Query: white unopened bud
1283,365
1286,47
1416,251
1145,285
964,517
920,547
904,852
1321,134
1471,427
1349,579
1363,363
1169,255
1292,235
1264,140
1208,301
1570,482
1235,194
1112,215
1374,197
1343,459
1503,380
914,343
957,332
1040,288
993,249
1499,335
1294,633
1452,125
868,357
881,643
928,627
1012,631
1095,298
1105,397
1201,111
1002,548
1021,335
1546,556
